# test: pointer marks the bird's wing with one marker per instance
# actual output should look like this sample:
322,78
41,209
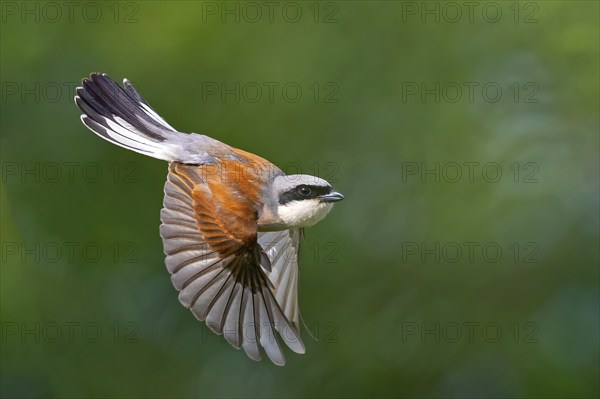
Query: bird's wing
218,266
283,248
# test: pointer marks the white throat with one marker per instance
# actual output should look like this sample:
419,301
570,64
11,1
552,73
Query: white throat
303,213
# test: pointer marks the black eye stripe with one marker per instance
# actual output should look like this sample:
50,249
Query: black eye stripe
295,195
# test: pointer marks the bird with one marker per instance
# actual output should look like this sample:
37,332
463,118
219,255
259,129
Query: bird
231,223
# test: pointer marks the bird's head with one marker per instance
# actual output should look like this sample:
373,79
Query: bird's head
303,200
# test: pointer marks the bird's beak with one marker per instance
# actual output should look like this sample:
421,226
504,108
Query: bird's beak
333,196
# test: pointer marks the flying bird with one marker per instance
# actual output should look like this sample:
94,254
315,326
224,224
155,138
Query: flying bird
231,221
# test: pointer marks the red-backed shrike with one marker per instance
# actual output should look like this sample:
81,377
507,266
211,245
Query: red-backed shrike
231,222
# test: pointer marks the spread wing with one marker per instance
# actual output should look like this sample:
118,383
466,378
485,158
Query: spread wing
222,273
283,248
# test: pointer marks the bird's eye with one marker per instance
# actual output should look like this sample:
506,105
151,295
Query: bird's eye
304,191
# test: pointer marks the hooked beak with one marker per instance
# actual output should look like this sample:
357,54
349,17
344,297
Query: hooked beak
333,196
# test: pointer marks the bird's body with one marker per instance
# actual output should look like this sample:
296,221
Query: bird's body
231,221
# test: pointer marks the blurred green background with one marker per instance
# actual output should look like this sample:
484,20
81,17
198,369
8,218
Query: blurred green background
374,97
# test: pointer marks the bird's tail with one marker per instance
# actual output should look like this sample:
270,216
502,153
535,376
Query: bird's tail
121,116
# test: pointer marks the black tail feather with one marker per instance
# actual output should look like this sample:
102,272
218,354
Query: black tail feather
121,116
110,100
